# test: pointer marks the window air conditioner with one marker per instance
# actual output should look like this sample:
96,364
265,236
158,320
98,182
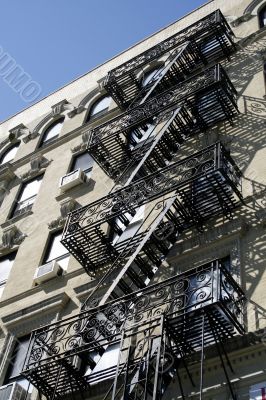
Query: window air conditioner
47,271
72,179
13,391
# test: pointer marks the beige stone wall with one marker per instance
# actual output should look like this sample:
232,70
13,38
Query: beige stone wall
243,237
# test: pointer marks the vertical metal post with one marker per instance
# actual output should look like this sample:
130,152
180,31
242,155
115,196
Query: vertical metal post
202,355
118,364
57,380
156,377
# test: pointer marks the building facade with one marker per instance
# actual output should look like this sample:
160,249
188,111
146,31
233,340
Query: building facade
133,214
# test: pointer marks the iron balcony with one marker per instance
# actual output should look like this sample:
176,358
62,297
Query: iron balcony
184,194
205,42
60,356
157,128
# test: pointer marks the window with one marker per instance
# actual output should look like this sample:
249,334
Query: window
9,154
139,135
52,132
27,196
5,268
16,362
104,364
83,161
262,17
56,251
99,107
127,226
150,76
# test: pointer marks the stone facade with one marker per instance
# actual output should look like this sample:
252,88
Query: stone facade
24,306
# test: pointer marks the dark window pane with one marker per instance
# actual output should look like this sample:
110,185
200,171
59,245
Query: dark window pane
83,161
262,17
17,359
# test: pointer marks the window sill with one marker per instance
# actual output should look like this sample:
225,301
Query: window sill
13,220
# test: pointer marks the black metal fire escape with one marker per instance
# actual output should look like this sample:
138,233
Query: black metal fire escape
124,238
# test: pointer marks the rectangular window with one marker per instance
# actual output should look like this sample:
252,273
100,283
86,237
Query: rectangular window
83,161
27,196
16,362
129,230
105,365
56,251
5,268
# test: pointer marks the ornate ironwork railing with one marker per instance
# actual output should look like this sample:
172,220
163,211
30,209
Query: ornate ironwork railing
201,102
203,185
59,355
208,40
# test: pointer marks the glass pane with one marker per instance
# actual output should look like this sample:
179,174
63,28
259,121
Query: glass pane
5,267
107,360
132,227
83,161
18,357
30,189
100,105
56,248
149,76
10,154
53,131
140,135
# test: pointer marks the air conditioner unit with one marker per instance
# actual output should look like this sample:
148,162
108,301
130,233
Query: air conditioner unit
47,271
13,391
72,179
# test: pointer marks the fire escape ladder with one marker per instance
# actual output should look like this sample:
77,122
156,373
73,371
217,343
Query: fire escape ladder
125,268
177,66
163,146
144,373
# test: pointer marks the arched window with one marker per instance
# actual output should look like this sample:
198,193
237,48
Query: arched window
149,76
262,17
9,154
52,132
99,107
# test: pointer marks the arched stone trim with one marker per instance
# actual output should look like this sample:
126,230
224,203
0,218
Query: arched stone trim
59,110
92,98
254,7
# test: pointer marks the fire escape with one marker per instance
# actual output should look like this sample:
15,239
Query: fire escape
124,238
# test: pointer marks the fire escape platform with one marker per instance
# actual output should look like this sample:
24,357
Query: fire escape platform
198,188
59,353
183,111
204,42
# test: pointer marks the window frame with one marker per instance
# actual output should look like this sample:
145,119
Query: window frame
262,17
48,127
11,256
90,116
6,151
8,378
87,171
48,247
17,201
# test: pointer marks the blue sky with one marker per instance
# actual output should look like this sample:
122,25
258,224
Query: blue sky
55,41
